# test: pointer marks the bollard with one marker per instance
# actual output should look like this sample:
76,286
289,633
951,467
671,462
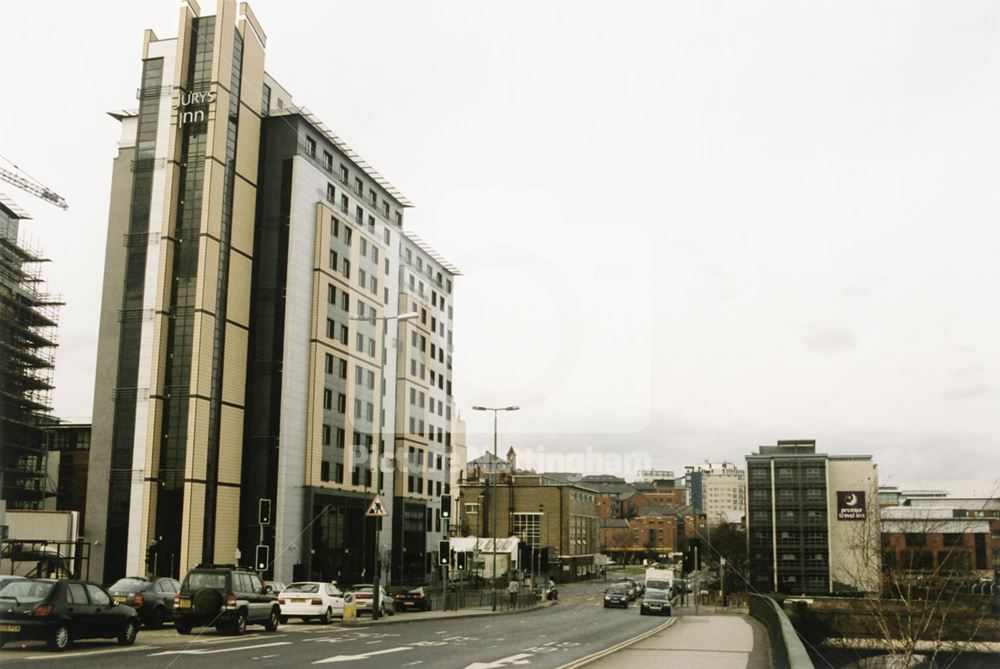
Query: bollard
350,609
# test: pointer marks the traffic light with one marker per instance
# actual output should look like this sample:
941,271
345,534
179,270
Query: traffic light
460,560
264,512
446,506
444,552
150,553
263,557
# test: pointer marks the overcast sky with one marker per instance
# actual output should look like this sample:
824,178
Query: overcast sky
686,229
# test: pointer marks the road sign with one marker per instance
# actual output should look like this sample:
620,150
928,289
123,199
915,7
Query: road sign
376,509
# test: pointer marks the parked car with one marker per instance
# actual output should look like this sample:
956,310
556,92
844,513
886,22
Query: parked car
412,600
655,602
152,598
616,596
7,578
548,590
226,597
276,586
60,612
629,587
311,600
363,593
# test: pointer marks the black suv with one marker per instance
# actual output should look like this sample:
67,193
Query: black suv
226,597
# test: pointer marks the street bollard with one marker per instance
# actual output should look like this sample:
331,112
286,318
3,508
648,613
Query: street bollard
350,609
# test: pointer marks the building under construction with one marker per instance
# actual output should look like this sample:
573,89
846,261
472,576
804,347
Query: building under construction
27,346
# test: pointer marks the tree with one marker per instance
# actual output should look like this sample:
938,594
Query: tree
921,604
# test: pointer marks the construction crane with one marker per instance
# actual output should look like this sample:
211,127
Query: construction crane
24,181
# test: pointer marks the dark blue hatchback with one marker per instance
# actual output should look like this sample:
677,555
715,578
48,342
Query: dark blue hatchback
61,611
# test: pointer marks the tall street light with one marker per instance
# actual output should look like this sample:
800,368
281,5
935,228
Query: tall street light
493,501
410,315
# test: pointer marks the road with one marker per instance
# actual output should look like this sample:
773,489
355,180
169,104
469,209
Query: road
539,639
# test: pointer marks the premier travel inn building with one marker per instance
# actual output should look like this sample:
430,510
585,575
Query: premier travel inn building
248,348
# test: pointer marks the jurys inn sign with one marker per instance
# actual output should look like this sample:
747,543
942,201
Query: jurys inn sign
187,115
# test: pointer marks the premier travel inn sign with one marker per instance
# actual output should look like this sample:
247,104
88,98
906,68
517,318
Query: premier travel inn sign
851,505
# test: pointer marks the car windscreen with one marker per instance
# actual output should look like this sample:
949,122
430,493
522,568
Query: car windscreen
302,587
129,585
658,585
655,596
616,591
199,580
26,592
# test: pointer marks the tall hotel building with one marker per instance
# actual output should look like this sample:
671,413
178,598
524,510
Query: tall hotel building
812,520
248,347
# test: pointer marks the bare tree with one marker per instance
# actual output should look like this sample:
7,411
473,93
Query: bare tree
921,605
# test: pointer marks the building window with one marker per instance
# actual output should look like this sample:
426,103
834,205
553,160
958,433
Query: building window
310,147
327,161
343,174
331,193
915,539
358,186
326,435
527,526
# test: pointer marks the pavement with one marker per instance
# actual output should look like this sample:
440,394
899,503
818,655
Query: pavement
726,641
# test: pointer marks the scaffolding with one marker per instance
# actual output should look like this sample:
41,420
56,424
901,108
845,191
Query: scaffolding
28,320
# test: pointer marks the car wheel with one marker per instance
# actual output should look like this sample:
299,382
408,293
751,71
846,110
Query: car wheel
239,625
327,616
129,632
642,612
182,627
60,638
272,621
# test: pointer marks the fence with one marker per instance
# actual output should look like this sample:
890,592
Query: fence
787,651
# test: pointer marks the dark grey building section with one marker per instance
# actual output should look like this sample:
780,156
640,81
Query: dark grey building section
787,519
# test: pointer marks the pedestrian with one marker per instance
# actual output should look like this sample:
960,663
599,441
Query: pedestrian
512,590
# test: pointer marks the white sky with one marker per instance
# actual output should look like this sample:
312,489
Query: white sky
686,229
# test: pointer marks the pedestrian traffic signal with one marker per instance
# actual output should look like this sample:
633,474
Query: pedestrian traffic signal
460,561
264,512
446,506
444,552
263,557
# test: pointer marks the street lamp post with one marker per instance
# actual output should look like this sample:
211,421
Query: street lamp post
493,501
376,599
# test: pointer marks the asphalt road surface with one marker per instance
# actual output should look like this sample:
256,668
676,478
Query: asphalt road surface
545,638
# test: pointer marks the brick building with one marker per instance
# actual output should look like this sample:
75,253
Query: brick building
541,511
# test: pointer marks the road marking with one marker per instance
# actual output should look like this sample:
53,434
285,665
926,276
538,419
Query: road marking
581,661
363,656
368,643
54,656
510,660
442,632
200,651
411,664
249,637
268,657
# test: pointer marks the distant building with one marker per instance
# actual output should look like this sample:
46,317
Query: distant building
955,535
717,489
810,520
69,458
543,512
649,475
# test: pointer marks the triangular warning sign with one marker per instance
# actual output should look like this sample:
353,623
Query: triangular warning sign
376,509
